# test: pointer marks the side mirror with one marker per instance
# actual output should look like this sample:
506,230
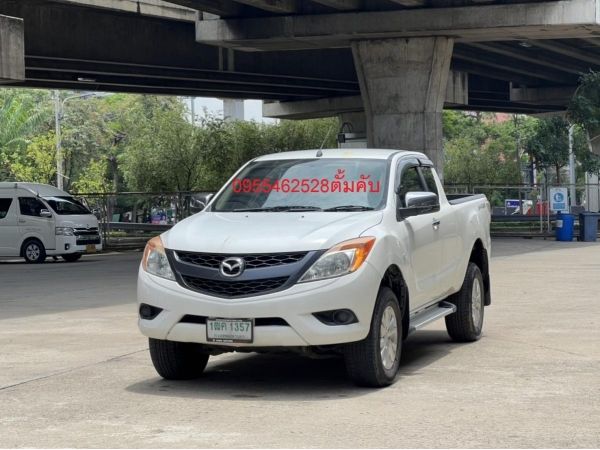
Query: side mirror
45,213
419,203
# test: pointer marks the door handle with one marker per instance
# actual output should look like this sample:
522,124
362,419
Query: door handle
22,221
436,224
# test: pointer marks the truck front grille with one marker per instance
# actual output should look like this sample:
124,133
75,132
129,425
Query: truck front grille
232,289
253,261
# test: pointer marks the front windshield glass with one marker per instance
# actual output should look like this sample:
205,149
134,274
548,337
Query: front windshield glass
65,206
320,184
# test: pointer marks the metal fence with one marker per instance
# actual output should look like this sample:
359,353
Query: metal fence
128,219
525,210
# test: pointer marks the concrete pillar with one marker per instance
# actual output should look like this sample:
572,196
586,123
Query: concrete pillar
233,109
403,87
12,50
353,122
592,192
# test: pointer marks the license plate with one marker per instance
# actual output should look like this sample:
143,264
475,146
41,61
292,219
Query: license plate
90,248
229,330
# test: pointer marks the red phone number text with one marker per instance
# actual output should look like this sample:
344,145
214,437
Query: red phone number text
304,185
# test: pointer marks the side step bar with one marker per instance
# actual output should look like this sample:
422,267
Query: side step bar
430,314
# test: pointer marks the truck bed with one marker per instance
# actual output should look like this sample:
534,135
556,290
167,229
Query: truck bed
456,199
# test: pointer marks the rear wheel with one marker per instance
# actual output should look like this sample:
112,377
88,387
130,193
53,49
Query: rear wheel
178,360
71,257
34,252
466,324
374,361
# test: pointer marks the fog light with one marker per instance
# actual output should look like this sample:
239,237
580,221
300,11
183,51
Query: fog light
336,317
149,312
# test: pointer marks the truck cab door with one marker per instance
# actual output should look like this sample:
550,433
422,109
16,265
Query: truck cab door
419,232
33,223
9,230
448,235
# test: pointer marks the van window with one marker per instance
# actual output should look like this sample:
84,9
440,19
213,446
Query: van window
65,206
4,206
30,206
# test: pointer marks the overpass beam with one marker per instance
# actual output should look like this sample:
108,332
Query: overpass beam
403,88
12,49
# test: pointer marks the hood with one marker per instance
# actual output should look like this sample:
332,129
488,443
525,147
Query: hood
267,232
77,221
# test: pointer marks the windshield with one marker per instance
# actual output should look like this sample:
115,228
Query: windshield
65,206
320,184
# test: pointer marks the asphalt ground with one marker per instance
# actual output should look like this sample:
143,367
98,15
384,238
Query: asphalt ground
75,371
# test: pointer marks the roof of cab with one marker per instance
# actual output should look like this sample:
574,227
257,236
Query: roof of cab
43,190
370,153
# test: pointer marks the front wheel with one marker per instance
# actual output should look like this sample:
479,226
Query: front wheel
177,360
466,324
34,252
374,361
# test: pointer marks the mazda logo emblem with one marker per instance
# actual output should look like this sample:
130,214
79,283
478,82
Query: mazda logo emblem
232,267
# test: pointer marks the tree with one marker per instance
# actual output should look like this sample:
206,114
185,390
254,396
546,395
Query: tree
479,150
549,144
20,117
37,163
584,108
93,178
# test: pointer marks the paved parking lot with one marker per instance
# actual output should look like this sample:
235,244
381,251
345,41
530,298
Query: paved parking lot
75,372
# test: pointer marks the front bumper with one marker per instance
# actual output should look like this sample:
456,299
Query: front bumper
296,305
68,244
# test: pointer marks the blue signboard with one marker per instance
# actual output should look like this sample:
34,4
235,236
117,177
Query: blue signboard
559,199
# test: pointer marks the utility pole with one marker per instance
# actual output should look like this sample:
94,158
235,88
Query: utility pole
59,155
58,115
572,180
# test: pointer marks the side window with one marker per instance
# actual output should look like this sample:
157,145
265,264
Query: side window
429,179
30,206
4,206
410,181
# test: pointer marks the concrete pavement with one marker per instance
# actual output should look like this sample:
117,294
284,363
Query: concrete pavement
75,372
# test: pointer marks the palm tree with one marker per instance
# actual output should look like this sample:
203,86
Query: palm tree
20,116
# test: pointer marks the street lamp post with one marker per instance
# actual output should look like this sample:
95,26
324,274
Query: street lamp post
58,116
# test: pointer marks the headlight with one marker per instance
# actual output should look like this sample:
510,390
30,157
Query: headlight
346,257
63,231
155,259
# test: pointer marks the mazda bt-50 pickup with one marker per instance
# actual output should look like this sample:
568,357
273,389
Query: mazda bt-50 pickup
318,251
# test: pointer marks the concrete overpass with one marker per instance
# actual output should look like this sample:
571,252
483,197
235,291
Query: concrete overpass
385,66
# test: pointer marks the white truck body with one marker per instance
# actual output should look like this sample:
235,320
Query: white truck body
52,218
422,257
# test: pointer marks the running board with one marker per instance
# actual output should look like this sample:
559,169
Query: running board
430,314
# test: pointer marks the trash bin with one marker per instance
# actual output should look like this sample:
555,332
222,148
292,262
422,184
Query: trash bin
564,227
588,226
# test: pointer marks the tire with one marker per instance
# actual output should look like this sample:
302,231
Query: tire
34,251
177,360
71,257
466,324
365,363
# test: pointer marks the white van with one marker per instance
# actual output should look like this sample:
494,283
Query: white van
38,220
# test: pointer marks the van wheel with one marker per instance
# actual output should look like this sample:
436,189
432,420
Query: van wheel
374,361
177,360
71,257
466,323
34,251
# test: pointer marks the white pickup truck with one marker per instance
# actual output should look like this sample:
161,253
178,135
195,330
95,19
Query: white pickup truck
317,251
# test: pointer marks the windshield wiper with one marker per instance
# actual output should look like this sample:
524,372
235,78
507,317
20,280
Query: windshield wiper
350,208
289,208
